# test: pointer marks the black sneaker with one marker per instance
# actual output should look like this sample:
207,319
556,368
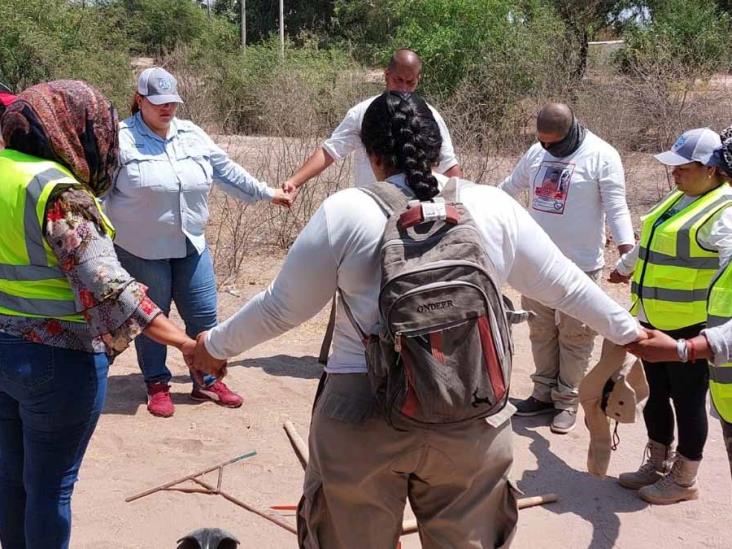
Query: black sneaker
533,407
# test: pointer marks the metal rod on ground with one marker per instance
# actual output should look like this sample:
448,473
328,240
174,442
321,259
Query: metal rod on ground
410,526
189,477
301,449
246,506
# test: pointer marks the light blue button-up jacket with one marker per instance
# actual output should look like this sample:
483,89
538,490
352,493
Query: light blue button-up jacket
160,194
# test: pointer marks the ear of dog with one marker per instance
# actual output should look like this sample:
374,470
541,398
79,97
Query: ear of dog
208,538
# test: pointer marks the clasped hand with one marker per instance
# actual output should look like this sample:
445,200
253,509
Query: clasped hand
198,358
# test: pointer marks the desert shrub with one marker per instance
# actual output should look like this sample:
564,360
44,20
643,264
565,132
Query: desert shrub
304,94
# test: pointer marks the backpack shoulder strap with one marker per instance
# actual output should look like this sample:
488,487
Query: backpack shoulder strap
388,196
451,191
328,338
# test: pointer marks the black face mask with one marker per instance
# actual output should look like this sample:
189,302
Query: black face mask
569,144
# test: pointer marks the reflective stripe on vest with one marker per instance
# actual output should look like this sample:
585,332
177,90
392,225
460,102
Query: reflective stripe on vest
720,312
673,272
31,282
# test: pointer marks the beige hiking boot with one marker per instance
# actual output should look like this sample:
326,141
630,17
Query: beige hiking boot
658,465
678,485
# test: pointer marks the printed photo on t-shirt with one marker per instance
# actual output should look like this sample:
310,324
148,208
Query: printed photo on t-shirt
551,186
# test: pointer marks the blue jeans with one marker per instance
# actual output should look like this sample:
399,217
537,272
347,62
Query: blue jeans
188,281
50,400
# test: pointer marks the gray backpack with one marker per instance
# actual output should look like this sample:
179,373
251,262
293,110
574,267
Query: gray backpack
443,351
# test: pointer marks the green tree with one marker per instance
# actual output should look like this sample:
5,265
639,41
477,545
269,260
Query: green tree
51,39
158,26
301,17
685,36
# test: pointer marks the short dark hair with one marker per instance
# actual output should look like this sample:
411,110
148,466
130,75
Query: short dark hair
400,129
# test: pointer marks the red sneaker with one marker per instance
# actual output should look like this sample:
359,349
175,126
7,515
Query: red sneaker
159,402
219,393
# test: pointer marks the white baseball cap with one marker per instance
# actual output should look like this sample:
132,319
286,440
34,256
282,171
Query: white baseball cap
158,86
696,145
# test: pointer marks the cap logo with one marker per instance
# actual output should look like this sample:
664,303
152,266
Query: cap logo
679,143
164,84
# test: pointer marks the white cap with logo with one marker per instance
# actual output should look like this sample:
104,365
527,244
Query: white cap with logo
158,86
696,145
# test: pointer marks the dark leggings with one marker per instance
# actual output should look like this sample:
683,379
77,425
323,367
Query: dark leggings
685,385
727,434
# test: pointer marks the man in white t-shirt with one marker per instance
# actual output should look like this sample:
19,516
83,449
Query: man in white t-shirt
576,183
402,74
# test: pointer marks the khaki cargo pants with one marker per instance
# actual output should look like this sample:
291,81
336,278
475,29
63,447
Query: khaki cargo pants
561,347
362,470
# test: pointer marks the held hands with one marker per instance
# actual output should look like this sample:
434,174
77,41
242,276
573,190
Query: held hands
290,189
282,198
617,278
655,346
202,361
187,348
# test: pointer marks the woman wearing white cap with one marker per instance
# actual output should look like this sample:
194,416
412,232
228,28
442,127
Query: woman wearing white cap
159,207
715,342
685,238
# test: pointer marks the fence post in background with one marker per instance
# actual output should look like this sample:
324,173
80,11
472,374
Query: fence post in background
282,29
243,23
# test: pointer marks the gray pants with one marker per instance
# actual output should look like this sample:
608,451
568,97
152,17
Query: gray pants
562,347
362,470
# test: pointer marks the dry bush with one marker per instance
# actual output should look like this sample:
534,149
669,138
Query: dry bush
648,113
491,125
292,109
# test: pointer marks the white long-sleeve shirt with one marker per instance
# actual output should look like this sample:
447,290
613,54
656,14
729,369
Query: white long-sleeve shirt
346,139
339,248
572,197
720,342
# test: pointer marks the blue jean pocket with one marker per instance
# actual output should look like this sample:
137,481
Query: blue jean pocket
25,364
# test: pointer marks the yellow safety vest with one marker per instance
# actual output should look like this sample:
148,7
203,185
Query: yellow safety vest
31,282
720,311
673,271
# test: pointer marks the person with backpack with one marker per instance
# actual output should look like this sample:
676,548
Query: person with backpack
414,400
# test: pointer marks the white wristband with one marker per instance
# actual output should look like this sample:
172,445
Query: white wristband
682,350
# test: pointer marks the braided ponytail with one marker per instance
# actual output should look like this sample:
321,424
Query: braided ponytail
724,153
399,128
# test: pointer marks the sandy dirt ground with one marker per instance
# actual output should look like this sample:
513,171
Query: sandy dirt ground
132,451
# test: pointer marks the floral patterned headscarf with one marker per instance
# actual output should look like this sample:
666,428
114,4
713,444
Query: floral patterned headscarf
70,122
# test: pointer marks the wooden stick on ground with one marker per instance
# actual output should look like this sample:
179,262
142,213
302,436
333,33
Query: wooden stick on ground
410,526
246,506
301,449
189,477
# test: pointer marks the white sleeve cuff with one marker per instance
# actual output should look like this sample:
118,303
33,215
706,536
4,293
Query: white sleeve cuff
209,342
